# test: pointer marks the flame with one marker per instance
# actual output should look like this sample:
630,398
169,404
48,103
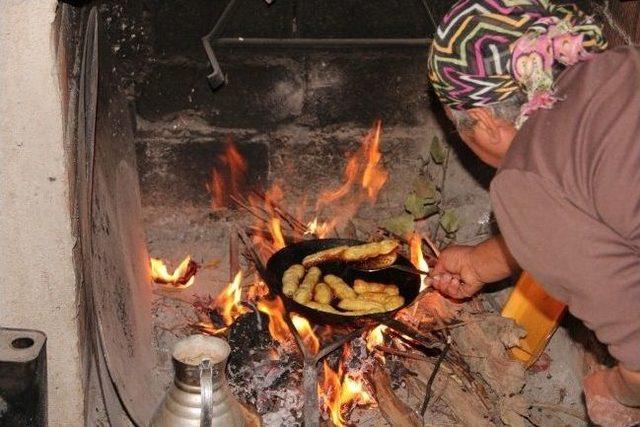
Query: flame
276,233
341,392
229,177
350,175
209,328
364,177
217,189
375,337
277,325
306,332
417,258
182,277
257,290
319,230
374,175
228,302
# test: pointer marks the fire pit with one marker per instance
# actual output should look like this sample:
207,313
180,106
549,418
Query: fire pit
157,200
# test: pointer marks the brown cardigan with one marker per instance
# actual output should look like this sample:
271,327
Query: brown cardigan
567,198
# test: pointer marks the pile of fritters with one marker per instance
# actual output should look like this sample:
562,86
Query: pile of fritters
306,284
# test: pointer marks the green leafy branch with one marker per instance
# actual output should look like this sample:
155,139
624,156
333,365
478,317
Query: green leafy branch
425,200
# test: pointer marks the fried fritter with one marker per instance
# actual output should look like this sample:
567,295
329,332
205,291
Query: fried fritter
339,287
305,291
369,250
291,279
331,254
322,293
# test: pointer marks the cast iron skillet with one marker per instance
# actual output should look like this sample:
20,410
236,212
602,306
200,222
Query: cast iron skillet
408,284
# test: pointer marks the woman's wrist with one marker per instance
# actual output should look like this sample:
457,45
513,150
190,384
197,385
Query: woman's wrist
491,261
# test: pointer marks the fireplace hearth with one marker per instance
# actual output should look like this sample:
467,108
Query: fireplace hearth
146,190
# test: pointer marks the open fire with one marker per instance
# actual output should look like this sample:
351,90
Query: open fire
182,277
340,389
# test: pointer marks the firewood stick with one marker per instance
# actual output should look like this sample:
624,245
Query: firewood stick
234,252
389,350
281,212
432,377
467,406
410,332
394,410
432,245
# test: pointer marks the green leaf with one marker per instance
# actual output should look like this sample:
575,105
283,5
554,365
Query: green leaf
425,188
438,153
450,222
420,207
401,225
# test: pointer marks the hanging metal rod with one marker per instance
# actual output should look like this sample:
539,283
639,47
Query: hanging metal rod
318,43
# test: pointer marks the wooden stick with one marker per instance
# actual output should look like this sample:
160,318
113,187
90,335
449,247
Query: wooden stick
234,252
411,332
394,410
436,368
404,354
432,245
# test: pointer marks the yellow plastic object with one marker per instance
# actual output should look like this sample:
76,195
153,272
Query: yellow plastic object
537,312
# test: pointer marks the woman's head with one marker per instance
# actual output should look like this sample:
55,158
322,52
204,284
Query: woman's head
500,57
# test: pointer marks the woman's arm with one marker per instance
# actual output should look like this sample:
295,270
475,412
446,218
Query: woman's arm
462,271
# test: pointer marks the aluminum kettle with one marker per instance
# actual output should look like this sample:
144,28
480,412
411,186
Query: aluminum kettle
199,395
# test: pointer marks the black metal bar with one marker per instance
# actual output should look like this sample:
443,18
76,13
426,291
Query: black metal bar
318,43
428,10
219,25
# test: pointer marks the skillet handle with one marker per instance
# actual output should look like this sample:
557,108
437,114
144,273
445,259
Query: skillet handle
408,269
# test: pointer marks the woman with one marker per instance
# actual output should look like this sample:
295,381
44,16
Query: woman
533,92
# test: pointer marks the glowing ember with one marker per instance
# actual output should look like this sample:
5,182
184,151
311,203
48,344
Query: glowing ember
417,258
306,332
182,277
228,302
375,337
277,325
374,175
341,392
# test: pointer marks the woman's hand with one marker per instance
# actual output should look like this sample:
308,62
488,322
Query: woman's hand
454,274
462,271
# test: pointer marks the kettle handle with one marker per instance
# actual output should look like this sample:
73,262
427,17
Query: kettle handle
206,392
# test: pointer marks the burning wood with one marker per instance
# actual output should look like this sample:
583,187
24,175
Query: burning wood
228,302
277,325
181,278
343,390
306,332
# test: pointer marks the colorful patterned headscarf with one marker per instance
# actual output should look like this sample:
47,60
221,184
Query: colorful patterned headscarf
485,51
